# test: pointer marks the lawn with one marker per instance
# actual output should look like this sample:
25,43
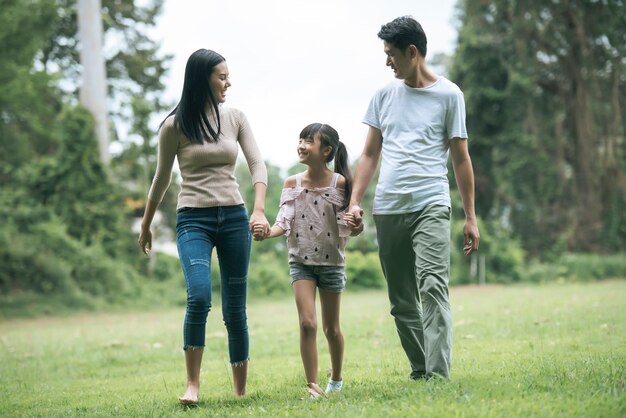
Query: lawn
551,350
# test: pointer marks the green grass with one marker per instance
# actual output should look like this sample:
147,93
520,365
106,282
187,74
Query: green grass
553,350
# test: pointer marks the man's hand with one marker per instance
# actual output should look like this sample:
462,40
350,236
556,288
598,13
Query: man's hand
355,229
471,237
354,216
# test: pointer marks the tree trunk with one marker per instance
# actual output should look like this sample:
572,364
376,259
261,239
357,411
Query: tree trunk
93,92
587,173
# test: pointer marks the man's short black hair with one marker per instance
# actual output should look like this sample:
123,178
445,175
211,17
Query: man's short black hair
402,32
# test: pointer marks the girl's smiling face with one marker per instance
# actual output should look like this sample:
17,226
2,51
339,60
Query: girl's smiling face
310,150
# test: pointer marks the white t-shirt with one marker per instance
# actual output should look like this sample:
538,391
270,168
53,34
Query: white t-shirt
416,126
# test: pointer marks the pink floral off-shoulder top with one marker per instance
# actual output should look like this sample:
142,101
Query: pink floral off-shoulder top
315,227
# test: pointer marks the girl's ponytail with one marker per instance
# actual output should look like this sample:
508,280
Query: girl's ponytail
342,166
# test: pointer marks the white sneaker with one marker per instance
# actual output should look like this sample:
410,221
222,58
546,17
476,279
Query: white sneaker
334,386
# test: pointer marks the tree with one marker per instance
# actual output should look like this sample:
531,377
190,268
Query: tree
134,68
93,87
543,84
64,215
29,99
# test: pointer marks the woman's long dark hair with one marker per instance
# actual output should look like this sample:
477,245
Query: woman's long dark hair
191,118
330,138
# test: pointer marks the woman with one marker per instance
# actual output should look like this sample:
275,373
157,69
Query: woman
203,136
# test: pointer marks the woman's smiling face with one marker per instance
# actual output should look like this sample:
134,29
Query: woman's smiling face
219,82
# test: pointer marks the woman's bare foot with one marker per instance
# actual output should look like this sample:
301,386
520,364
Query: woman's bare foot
190,397
240,375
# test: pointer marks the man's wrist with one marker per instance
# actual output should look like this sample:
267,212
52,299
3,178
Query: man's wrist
470,218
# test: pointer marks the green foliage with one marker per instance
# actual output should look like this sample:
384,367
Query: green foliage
47,260
269,276
74,184
64,227
29,101
134,67
544,87
364,271
502,254
578,267
64,218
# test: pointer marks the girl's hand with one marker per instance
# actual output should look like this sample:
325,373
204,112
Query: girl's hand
259,226
258,232
354,216
355,228
145,240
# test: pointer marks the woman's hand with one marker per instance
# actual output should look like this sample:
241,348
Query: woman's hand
259,226
145,240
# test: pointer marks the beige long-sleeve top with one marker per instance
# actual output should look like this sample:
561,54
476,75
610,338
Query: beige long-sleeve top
207,169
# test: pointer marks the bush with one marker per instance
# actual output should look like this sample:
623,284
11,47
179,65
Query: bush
64,233
503,254
364,271
268,275
579,267
28,262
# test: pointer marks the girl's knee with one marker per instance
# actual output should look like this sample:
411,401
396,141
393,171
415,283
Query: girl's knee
332,332
308,326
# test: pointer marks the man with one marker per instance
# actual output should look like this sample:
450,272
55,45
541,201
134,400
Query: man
415,122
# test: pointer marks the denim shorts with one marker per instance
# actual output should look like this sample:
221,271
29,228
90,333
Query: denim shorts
330,278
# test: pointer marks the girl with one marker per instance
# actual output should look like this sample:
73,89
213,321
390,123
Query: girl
312,210
204,136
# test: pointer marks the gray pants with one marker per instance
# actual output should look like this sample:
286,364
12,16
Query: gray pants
414,250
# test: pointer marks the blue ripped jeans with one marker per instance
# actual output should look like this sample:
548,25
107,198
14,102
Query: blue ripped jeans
227,229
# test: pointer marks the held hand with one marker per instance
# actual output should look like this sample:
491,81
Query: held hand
259,226
354,216
471,237
258,232
357,230
354,228
145,240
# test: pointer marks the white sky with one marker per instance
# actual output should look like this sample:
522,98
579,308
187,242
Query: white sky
295,62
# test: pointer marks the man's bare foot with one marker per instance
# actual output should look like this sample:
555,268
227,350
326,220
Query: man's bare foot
190,397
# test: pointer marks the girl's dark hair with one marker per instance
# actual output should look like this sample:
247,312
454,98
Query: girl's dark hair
191,118
402,32
330,138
